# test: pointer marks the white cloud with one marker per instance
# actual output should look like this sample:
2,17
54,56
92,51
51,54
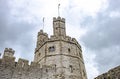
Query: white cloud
114,14
89,7
91,65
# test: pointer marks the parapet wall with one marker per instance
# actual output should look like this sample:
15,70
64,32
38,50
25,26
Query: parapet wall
54,38
111,74
9,69
58,19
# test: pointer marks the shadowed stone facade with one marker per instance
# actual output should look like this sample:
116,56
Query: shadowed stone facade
111,74
57,57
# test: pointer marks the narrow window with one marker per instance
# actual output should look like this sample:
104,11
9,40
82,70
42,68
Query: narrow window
69,50
39,54
71,68
46,70
15,64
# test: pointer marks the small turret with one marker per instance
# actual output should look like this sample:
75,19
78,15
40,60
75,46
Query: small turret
8,52
42,37
59,27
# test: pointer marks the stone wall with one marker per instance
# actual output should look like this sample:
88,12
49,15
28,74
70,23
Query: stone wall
9,69
111,74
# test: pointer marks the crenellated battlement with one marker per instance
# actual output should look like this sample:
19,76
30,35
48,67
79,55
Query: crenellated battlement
54,38
42,37
22,63
42,33
8,52
58,19
9,69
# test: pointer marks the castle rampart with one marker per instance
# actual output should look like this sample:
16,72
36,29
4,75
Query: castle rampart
9,69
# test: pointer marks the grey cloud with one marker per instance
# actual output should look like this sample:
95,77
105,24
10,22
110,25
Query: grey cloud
108,58
114,5
14,33
104,38
103,35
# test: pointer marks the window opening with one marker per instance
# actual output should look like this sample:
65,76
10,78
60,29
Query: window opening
71,68
51,49
69,50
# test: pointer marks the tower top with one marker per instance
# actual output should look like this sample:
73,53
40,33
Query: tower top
59,27
8,52
58,19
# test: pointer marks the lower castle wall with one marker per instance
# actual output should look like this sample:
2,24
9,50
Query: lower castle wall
9,69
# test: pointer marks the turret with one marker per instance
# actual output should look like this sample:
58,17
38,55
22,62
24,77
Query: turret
59,27
42,37
8,52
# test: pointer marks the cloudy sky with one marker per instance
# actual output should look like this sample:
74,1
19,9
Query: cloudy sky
94,23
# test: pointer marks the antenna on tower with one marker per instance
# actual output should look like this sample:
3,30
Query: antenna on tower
43,23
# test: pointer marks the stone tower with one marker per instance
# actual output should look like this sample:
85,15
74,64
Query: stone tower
60,52
8,52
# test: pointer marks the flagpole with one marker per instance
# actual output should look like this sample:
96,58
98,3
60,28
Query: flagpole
43,23
58,9
0,54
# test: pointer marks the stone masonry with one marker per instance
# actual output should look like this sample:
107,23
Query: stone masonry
111,74
57,57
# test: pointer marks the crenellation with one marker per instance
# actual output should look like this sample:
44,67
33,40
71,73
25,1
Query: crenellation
8,52
58,19
42,37
68,38
42,33
23,63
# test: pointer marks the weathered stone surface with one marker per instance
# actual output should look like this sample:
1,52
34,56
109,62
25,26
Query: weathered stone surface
111,74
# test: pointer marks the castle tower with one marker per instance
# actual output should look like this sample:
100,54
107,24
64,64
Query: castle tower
8,52
61,53
59,27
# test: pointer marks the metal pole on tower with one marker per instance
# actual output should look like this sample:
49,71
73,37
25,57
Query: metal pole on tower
43,23
59,9
0,54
